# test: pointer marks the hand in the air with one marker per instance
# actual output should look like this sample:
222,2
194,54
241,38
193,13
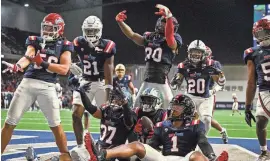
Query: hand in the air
138,127
13,68
37,58
249,116
163,11
121,16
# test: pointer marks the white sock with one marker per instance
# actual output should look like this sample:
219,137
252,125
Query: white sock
264,148
81,145
223,129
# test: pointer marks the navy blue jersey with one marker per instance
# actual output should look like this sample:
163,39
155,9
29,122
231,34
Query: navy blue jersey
261,59
216,65
158,56
177,141
113,134
124,82
50,53
197,78
93,59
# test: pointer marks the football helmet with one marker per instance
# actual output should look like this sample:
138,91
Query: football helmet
92,29
261,31
52,27
182,108
160,25
196,51
208,52
150,99
120,70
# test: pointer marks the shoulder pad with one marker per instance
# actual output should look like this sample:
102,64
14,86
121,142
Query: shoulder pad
159,124
66,42
178,39
181,65
109,46
79,40
248,52
32,38
210,62
195,122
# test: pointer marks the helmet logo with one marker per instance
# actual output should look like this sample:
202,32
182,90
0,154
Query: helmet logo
59,20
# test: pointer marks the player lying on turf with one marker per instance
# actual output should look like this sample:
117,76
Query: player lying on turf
179,135
258,65
198,71
117,120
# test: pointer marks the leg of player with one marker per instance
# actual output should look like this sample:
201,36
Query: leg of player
261,130
86,121
77,114
222,130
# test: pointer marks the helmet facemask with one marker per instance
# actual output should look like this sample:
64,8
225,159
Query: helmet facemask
262,36
92,34
148,103
196,55
50,32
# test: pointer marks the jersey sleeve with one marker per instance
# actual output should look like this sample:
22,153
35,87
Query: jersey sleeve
217,65
155,141
34,41
110,49
128,79
248,54
180,68
178,40
68,46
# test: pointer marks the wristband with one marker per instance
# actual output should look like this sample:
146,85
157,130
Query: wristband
45,65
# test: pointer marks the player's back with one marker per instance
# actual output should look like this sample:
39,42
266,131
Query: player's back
179,141
197,79
123,82
93,59
158,56
49,52
261,59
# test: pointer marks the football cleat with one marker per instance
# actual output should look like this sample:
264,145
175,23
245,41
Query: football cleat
264,156
224,136
79,154
94,152
30,154
224,156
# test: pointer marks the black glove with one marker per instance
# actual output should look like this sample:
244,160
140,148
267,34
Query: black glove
84,88
175,82
249,116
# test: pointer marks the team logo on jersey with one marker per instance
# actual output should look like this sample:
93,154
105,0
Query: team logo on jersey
82,49
179,134
98,50
166,129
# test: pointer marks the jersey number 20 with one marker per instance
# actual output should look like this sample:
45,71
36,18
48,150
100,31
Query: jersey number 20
196,86
154,54
266,71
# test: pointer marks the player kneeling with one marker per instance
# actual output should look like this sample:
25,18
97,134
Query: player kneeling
179,135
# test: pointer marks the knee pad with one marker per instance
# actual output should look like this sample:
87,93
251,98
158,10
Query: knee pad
12,121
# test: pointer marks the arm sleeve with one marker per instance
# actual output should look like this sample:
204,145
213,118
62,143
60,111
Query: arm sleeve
169,32
129,116
155,141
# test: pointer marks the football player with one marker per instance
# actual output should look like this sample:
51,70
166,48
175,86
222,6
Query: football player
150,107
124,80
117,119
258,65
198,72
179,135
161,47
235,104
97,58
46,56
214,87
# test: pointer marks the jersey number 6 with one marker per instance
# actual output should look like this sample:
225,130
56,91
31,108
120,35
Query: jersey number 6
266,71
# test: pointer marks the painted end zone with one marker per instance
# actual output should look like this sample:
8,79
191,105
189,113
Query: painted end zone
43,143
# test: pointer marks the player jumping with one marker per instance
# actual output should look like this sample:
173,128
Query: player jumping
97,58
46,56
179,136
161,47
258,65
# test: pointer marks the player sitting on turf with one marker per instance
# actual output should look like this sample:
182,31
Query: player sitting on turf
179,135
149,107
117,119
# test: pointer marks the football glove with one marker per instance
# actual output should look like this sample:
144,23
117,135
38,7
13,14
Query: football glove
75,69
249,116
163,11
37,59
138,127
121,16
13,68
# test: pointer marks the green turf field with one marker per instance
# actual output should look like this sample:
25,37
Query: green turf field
235,125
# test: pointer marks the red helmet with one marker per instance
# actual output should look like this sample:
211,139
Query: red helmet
261,29
208,52
52,27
